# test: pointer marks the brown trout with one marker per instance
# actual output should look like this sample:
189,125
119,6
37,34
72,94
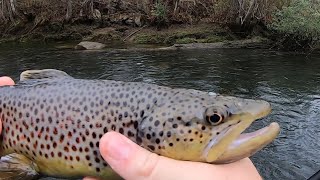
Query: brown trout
56,121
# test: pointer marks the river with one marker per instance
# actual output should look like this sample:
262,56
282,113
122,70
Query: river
290,82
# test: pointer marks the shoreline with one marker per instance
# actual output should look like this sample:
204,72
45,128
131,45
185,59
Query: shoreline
175,37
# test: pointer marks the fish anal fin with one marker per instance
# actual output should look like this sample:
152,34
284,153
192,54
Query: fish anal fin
43,74
16,166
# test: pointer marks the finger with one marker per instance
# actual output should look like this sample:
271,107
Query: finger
126,158
5,80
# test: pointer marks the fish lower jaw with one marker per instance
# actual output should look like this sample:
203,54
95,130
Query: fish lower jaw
246,144
245,137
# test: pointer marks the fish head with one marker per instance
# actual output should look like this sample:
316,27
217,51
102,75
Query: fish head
209,130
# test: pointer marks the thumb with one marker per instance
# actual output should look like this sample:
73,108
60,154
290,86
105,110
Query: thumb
128,159
131,162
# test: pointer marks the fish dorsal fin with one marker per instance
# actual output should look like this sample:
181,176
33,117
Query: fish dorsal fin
43,74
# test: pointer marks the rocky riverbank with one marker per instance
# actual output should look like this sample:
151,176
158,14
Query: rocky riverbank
174,37
160,22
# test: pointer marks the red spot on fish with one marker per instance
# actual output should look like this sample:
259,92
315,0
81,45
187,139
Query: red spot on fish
35,145
61,125
39,134
55,130
22,137
98,125
61,138
66,149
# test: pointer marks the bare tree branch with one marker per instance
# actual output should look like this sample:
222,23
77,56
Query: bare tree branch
249,11
69,10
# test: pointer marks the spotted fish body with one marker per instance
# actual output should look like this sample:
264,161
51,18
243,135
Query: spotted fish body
56,121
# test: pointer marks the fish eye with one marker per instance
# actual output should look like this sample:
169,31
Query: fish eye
214,119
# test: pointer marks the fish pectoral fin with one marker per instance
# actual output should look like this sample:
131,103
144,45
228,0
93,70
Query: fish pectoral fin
43,74
16,166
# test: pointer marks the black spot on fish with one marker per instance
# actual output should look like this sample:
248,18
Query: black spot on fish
151,147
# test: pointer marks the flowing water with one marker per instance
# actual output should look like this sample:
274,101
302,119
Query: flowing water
290,82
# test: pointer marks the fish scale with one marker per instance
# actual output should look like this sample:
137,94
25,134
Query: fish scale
57,121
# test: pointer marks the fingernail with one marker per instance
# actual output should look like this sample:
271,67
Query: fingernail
118,148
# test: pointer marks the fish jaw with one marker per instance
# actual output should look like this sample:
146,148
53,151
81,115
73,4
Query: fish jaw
249,143
230,145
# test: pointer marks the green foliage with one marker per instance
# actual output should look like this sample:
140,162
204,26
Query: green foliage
160,10
301,19
186,40
160,14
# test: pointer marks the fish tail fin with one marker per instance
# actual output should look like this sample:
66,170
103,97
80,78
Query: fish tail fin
16,166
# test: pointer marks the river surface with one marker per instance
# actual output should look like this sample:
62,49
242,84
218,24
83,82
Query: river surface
290,82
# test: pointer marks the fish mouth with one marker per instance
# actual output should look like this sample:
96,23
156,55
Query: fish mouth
246,144
232,144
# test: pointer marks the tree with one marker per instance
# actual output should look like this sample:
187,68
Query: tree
8,10
69,10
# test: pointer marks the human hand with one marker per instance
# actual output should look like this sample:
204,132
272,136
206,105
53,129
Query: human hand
5,81
131,161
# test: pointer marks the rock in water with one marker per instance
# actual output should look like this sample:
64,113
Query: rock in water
88,45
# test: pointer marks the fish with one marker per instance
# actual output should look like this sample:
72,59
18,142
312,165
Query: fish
56,121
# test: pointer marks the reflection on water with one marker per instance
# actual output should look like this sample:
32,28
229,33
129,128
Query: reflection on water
289,82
